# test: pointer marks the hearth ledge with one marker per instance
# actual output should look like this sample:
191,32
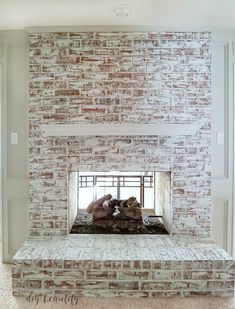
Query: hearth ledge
122,266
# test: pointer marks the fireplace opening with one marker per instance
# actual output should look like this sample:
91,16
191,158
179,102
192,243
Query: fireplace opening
119,202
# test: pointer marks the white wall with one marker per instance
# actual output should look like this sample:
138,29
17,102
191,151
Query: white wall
223,152
14,98
13,62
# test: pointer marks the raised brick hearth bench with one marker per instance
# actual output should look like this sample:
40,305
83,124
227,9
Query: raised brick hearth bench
122,266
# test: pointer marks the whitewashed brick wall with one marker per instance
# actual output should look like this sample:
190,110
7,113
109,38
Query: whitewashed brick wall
120,77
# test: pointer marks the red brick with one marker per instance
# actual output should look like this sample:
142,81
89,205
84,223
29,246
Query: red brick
103,275
164,285
123,285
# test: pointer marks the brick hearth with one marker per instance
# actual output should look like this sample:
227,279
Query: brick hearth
122,265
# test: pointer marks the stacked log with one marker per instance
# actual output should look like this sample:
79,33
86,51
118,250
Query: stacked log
98,202
113,209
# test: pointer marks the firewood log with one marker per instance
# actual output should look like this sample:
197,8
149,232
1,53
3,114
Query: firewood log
98,211
99,202
106,204
131,202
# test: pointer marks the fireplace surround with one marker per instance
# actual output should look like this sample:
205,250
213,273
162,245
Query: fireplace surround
120,101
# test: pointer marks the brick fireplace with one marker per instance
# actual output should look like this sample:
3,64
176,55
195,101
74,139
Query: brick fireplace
121,80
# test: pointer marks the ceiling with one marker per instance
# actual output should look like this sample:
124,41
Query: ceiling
209,14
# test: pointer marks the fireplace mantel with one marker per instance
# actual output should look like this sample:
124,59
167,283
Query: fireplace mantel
119,129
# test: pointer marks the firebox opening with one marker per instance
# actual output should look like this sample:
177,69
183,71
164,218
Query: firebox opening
119,202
